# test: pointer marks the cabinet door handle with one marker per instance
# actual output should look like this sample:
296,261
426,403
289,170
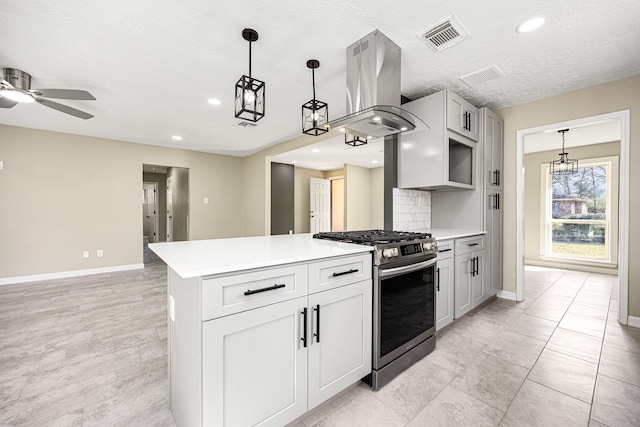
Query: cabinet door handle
498,200
342,273
304,327
472,268
268,288
317,334
438,279
444,250
498,180
473,244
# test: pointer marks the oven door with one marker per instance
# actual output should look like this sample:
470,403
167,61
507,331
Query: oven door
404,308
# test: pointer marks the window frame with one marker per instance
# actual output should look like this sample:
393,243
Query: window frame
610,221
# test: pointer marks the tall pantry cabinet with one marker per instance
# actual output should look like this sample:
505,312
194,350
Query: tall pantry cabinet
492,137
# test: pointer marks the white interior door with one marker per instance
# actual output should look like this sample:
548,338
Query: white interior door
150,210
320,205
169,210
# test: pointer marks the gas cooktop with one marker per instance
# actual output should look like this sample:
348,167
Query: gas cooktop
372,237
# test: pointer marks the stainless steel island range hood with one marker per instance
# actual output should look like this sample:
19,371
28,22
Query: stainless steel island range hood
373,91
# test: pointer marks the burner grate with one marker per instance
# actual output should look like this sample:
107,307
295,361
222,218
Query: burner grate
371,237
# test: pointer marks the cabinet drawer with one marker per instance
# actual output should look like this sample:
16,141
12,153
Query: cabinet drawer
338,272
469,244
445,249
226,295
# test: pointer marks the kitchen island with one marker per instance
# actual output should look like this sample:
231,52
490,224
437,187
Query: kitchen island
247,342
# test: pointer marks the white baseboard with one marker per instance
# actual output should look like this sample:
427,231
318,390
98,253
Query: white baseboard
507,295
633,321
65,274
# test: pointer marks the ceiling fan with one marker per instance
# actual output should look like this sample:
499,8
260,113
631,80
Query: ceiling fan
15,87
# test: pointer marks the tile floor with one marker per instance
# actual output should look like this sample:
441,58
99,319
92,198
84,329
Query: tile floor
92,351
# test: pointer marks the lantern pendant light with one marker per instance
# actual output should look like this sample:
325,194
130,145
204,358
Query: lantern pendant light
315,114
250,91
563,166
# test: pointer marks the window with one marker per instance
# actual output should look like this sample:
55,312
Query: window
580,218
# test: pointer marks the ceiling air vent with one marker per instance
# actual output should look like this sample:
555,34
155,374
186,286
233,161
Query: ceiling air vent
482,76
444,34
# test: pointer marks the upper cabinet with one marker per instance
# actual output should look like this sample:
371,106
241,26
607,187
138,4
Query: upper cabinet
462,117
443,157
492,140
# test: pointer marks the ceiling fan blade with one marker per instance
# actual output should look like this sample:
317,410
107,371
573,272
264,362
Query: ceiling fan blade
64,108
81,95
6,102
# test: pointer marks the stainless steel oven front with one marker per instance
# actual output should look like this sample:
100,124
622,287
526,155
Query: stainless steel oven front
403,317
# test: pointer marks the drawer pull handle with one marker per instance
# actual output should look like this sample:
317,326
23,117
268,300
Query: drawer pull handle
473,244
444,250
342,273
269,288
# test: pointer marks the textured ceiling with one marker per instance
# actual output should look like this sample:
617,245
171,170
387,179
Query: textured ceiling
152,64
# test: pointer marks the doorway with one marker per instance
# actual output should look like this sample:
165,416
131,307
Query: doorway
623,118
150,212
172,197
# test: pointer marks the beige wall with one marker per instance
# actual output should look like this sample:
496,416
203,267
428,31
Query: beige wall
609,97
62,194
364,202
377,198
301,222
533,183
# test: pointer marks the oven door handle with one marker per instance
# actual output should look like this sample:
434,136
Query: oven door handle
407,268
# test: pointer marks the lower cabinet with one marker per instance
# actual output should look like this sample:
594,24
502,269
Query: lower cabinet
254,366
339,341
268,366
445,284
470,274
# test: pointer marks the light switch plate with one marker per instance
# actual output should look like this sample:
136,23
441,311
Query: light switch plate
206,200
85,254
99,253
1,164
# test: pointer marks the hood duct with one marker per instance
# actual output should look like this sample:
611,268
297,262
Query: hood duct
373,91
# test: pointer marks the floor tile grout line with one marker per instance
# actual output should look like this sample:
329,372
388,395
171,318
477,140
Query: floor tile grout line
543,348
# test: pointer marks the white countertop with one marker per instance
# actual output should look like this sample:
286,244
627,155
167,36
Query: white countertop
452,233
217,256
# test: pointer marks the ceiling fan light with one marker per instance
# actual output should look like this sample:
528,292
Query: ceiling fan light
17,96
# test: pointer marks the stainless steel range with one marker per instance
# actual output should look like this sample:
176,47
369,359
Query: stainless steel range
403,298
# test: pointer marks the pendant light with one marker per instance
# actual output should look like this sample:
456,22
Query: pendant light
250,91
563,166
315,114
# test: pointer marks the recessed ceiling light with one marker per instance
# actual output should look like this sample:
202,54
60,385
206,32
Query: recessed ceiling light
315,150
376,119
293,162
403,128
214,101
369,137
374,161
176,138
530,25
341,129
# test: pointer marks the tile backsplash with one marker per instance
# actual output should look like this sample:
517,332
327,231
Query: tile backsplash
411,210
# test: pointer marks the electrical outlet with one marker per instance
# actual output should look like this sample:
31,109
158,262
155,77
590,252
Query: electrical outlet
99,253
206,200
85,254
1,164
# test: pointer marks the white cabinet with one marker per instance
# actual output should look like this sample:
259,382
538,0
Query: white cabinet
254,367
492,140
469,274
443,157
462,117
262,347
493,224
339,341
445,284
